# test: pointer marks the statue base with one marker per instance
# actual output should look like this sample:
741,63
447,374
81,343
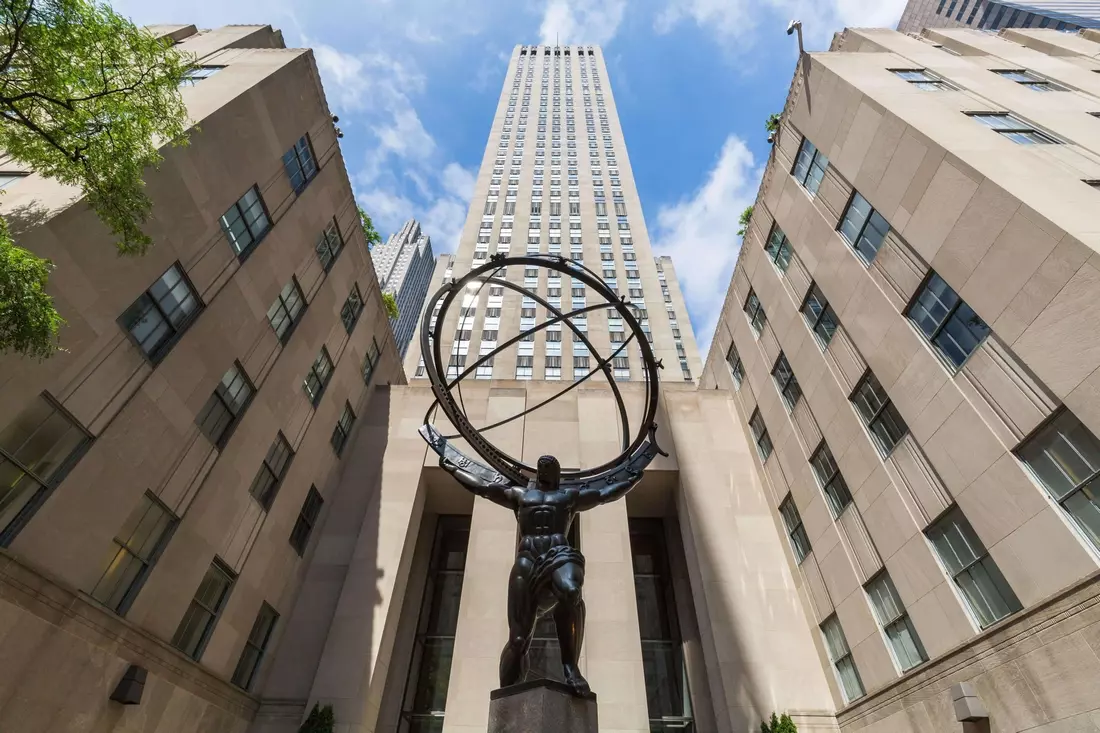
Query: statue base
541,706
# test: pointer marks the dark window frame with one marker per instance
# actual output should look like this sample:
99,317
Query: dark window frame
324,247
796,530
754,309
147,563
306,522
255,238
219,565
784,244
827,472
322,380
940,329
807,176
260,648
1026,129
280,305
855,242
760,436
737,367
342,431
885,407
269,479
786,384
349,313
300,168
231,426
820,318
126,321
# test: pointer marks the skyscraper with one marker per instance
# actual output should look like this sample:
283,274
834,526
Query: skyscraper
911,338
1061,15
404,265
556,179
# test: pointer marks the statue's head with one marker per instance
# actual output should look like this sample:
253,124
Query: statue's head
549,471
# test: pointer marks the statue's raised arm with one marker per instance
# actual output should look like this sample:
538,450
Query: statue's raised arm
498,492
593,496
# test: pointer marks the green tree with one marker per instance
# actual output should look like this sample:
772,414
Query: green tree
28,320
390,301
320,720
782,724
746,217
369,232
86,98
772,124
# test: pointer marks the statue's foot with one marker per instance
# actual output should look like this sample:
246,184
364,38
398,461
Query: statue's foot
576,681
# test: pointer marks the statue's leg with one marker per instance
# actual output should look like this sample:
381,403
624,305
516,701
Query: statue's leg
522,609
569,620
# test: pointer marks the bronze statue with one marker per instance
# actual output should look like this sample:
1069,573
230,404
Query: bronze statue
548,574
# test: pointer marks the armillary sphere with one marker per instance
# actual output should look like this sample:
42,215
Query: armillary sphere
638,448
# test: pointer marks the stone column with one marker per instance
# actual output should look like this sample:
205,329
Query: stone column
612,658
760,655
351,675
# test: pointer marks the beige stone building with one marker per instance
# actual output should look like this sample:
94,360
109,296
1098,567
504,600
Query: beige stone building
910,338
160,479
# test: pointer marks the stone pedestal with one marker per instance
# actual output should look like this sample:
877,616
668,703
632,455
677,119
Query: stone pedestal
541,706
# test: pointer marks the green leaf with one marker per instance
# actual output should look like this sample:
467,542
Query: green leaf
369,232
28,320
390,302
746,217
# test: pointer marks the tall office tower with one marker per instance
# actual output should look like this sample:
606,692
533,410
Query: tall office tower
1061,15
911,338
405,264
162,477
556,178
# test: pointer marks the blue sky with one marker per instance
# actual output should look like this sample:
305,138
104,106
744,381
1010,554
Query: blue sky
415,83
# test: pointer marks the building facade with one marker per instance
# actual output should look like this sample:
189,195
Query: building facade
1060,15
556,179
910,338
405,264
163,475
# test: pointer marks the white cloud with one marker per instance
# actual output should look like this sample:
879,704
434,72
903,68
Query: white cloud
457,181
738,20
577,21
700,234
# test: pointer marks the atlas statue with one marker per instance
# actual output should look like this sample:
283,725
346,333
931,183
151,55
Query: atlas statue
548,573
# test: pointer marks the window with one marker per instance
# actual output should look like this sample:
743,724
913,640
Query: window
947,321
819,316
737,369
7,178
779,249
809,166
225,407
270,476
284,313
317,379
193,76
329,245
977,577
923,79
830,480
753,310
370,360
1013,128
666,680
300,165
353,306
343,429
133,553
307,520
425,700
786,382
580,362
760,435
1029,80
254,647
879,414
864,228
841,658
892,618
796,533
201,616
161,314
246,222
1064,457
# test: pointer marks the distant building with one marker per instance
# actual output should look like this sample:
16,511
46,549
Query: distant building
1059,15
404,265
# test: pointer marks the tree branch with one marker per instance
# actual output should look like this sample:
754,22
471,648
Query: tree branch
10,55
